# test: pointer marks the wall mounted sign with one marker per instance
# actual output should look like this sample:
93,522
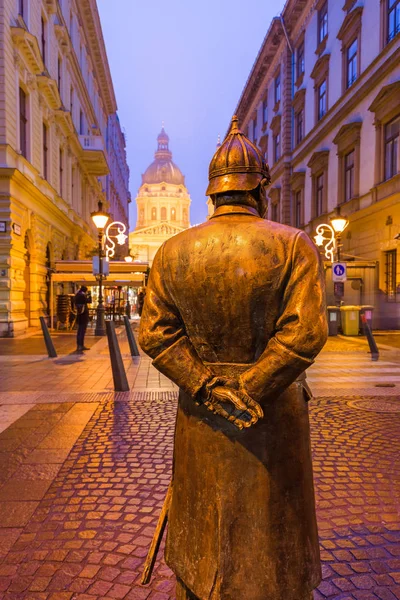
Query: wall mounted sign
17,228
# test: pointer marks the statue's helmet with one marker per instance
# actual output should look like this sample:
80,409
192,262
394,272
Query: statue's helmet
237,165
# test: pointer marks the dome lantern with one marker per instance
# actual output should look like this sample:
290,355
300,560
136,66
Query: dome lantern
163,169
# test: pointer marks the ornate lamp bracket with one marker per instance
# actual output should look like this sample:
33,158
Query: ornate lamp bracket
120,237
329,243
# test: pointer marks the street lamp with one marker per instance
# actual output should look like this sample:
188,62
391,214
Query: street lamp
332,244
339,224
100,219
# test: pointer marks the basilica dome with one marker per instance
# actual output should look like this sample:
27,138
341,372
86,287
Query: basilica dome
163,169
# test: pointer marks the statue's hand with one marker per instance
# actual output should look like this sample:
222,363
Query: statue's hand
234,405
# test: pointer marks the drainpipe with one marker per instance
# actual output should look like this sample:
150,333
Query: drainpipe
292,93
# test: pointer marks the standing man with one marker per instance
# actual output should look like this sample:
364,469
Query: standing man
82,299
234,315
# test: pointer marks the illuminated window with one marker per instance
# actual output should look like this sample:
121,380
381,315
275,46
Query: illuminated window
391,275
153,213
163,214
173,214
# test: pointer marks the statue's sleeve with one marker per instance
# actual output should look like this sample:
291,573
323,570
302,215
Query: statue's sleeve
301,329
162,334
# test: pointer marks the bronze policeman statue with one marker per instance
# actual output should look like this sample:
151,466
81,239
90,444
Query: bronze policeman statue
234,315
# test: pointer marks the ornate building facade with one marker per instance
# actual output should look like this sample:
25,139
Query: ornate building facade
61,147
323,104
163,204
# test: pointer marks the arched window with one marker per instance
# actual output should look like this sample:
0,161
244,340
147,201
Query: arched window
163,188
173,214
163,214
185,214
154,214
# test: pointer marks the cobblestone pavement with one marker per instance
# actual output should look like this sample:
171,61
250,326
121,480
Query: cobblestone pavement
86,534
83,475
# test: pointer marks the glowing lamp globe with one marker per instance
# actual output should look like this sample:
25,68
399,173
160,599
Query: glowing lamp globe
100,217
339,223
129,259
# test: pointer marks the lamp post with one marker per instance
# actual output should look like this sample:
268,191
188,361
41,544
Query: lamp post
100,219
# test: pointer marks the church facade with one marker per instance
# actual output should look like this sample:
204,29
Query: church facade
163,204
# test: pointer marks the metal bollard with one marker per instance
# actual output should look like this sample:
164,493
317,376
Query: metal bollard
117,365
131,338
51,351
371,340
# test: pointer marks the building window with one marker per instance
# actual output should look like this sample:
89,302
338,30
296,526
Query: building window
81,123
352,63
322,100
300,61
71,101
73,175
392,131
277,88
277,147
154,214
23,123
323,22
61,170
21,8
274,212
265,111
185,215
299,118
319,195
163,213
298,209
45,152
390,275
255,129
59,71
393,18
349,164
43,39
173,214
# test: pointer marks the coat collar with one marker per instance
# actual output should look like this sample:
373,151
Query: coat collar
234,209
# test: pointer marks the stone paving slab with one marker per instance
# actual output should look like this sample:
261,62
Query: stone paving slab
88,537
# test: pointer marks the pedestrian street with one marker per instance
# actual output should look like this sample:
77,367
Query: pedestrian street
83,475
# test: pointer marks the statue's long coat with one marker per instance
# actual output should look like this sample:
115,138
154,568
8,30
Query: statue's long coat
240,296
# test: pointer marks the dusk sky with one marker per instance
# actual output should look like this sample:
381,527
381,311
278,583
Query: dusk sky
183,62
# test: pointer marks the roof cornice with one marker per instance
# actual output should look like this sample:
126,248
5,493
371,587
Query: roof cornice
90,21
260,68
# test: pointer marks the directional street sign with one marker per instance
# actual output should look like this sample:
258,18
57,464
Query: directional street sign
339,271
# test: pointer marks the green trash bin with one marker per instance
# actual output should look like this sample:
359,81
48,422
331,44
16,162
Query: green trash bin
350,319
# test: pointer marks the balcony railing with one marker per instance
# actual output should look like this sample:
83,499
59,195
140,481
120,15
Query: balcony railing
92,142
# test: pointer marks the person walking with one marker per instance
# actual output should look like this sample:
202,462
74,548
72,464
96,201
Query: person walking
234,315
82,299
